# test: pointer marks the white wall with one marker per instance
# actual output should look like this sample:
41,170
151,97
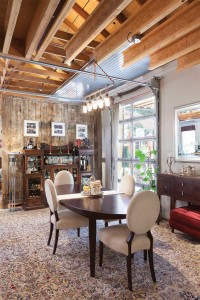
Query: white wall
177,89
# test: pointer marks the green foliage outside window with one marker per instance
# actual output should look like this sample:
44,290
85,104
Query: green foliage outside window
146,172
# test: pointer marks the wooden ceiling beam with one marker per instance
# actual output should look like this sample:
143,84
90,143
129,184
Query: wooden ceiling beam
148,15
80,11
41,19
4,71
29,85
141,2
188,60
16,88
121,18
184,45
186,20
58,60
65,36
54,28
70,25
24,77
61,52
43,72
85,15
105,12
11,19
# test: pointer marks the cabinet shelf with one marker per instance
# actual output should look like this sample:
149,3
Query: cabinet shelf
48,165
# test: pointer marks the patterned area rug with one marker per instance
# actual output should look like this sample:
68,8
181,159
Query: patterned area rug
30,271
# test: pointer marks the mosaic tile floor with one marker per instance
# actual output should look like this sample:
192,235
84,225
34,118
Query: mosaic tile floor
30,271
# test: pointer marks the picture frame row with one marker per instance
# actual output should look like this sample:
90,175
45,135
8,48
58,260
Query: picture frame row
31,129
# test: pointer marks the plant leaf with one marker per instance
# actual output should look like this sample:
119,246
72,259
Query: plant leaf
154,152
146,179
138,166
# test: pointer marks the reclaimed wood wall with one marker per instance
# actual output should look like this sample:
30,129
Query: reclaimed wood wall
17,109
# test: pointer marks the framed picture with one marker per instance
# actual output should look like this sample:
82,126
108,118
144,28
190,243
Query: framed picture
81,131
57,129
31,128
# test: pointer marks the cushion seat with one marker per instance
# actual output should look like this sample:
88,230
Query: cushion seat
116,236
186,219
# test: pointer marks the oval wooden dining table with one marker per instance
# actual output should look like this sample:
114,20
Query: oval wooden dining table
106,206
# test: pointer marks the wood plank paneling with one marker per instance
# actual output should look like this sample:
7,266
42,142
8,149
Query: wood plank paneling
17,109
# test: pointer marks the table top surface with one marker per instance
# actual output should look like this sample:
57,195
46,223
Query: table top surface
99,207
68,189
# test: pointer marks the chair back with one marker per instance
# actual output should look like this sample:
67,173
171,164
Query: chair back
51,195
63,177
127,185
143,211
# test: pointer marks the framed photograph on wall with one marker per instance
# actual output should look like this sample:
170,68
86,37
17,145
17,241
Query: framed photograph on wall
81,131
57,129
31,128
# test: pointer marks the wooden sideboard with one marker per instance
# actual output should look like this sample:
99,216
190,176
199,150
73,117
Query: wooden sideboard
178,187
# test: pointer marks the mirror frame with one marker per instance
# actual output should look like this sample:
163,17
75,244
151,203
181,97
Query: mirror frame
180,158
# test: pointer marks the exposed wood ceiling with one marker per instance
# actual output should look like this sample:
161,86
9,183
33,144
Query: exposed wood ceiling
77,32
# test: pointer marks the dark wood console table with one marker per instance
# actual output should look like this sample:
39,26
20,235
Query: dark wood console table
178,187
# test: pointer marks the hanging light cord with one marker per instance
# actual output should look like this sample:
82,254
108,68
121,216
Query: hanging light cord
104,72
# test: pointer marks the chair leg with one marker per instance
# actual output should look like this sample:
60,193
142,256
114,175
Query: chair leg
128,262
78,232
120,221
172,230
50,234
56,241
100,253
106,224
145,255
150,254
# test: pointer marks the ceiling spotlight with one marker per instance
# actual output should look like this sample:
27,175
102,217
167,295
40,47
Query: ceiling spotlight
134,39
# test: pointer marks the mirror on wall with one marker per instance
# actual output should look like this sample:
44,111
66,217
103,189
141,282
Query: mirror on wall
187,133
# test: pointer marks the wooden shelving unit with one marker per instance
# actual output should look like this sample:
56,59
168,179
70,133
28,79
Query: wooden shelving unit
42,164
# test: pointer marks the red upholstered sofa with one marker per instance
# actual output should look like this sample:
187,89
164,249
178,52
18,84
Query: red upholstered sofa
186,219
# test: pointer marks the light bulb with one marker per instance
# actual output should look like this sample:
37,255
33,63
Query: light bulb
107,101
94,104
85,108
100,102
89,106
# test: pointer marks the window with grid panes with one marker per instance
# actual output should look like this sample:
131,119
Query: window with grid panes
137,130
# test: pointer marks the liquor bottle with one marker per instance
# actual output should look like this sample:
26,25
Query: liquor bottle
75,174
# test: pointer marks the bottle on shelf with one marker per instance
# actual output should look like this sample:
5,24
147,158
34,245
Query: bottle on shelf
75,174
30,144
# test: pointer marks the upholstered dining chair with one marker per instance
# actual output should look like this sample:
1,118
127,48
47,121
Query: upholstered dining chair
63,177
60,219
134,236
127,186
